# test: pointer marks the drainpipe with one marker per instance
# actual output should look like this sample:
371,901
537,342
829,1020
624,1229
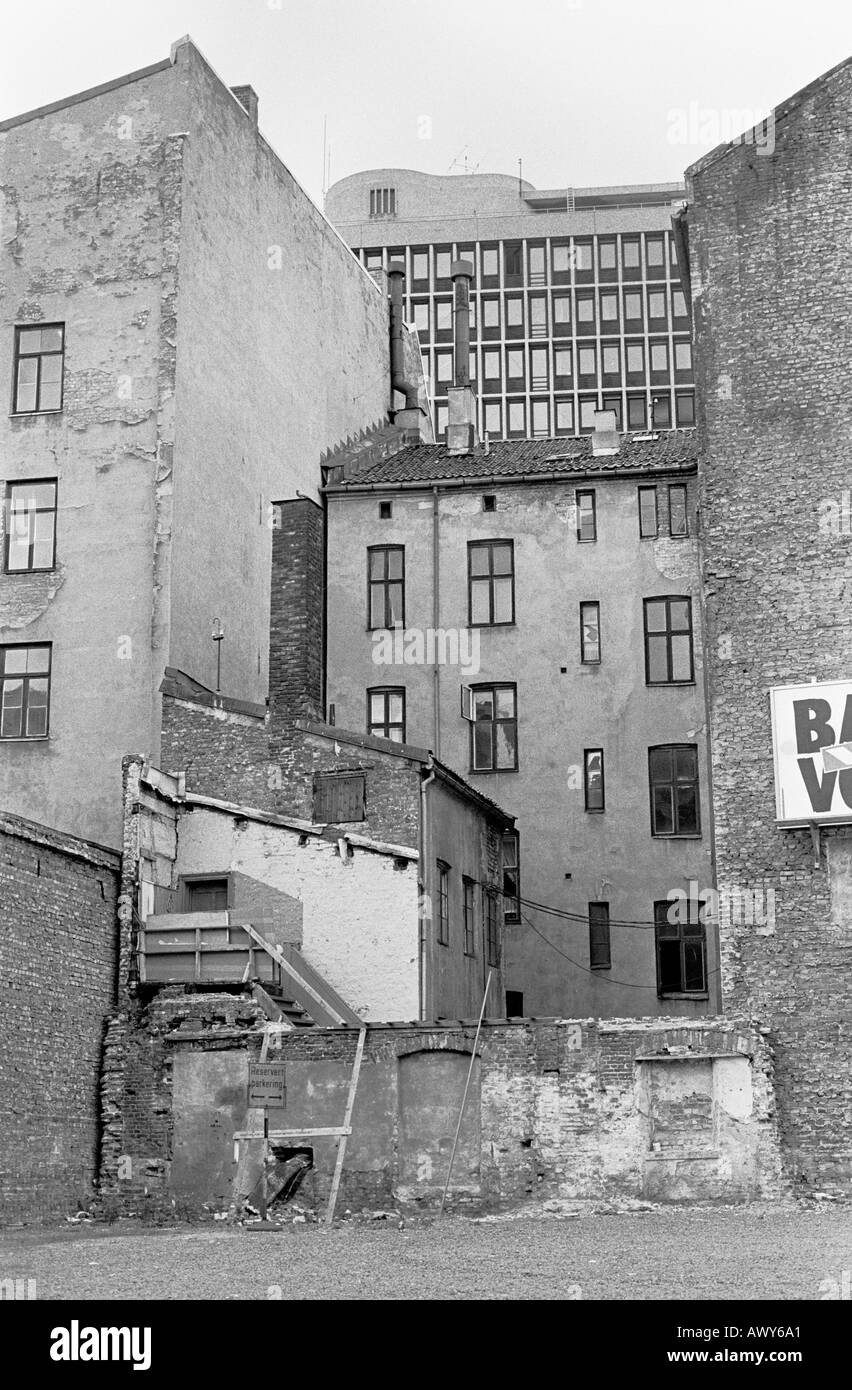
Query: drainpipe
399,382
436,622
425,924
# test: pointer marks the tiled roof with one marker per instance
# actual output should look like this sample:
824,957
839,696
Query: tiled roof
665,450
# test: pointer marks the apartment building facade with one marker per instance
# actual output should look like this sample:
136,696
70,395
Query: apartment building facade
186,336
531,612
577,302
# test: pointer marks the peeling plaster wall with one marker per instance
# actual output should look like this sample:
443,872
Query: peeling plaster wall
568,857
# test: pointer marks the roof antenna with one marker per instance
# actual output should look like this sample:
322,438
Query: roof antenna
520,178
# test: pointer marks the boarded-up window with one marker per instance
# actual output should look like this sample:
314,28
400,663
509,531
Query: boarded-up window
339,798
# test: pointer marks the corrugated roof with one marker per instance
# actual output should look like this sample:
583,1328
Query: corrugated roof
665,450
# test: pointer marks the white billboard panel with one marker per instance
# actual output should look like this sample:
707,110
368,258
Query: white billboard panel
812,747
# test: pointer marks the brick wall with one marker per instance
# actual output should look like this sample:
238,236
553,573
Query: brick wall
58,901
771,264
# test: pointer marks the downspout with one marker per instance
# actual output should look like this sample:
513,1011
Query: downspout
399,382
424,906
436,623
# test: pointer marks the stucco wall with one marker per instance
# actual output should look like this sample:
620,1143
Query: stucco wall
564,707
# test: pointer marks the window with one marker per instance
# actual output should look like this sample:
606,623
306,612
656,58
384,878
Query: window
683,357
611,359
656,304
636,412
443,367
588,410
386,713
538,316
585,308
420,311
668,641
614,403
385,511
678,304
587,528
540,419
539,369
512,259
39,358
630,253
673,779
441,419
565,416
206,894
420,265
494,731
31,526
635,358
382,202
517,417
514,312
492,418
561,308
659,357
491,313
562,361
590,633
443,904
537,266
386,598
515,364
661,411
489,502
490,264
678,522
491,364
443,315
609,307
443,264
491,583
582,255
469,915
654,251
586,365
561,253
600,957
511,877
24,691
685,404
514,1003
647,512
593,779
633,305
492,935
606,255
681,948
338,797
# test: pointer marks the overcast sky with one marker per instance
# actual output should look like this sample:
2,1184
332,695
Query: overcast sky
584,91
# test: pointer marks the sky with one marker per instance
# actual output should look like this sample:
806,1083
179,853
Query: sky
584,92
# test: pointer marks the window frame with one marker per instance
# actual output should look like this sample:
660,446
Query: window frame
26,679
36,511
384,582
469,915
683,937
673,782
590,660
641,492
511,901
493,687
669,632
322,780
586,492
490,577
588,754
600,940
442,919
387,723
492,928
17,356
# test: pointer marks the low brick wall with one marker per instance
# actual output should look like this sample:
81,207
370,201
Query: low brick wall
577,1109
57,984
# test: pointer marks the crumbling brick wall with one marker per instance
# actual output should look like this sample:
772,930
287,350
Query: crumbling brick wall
770,234
57,980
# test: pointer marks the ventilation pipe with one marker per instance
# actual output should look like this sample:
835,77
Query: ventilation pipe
399,382
461,401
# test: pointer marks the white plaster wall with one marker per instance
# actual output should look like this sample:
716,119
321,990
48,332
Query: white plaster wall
360,923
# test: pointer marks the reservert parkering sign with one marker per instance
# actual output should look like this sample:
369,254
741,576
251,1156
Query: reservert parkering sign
812,747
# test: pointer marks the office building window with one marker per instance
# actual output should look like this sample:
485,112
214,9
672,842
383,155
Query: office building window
386,713
537,265
514,311
586,361
648,524
593,779
420,312
469,915
585,308
657,304
491,364
562,361
443,315
590,634
613,403
517,417
659,357
511,877
25,691
561,309
443,368
685,404
611,359
490,262
515,365
540,419
338,797
582,255
539,368
655,251
538,316
630,253
678,523
600,957
443,264
636,412
607,259
678,304
491,313
673,780
39,359
494,730
683,357
635,359
492,418
512,264
561,253
420,265
443,903
633,306
31,526
441,418
662,412
386,585
491,583
382,202
588,408
681,943
609,307
565,416
587,527
668,641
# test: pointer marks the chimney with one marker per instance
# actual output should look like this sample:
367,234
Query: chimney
461,400
605,437
247,97
410,417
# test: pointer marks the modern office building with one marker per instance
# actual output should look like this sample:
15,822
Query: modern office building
576,305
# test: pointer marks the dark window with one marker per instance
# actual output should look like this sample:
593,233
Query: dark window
593,779
382,202
514,1003
385,511
673,776
636,412
685,405
491,583
386,583
668,641
39,357
443,904
386,712
31,526
590,633
469,915
681,948
599,946
512,263
661,410
587,527
338,797
647,512
489,502
678,522
206,894
24,691
494,730
511,877
492,931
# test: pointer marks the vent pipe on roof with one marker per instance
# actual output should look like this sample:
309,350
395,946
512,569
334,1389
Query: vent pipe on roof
461,401
605,436
399,382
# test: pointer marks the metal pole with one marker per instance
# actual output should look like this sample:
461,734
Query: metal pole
464,1097
263,1188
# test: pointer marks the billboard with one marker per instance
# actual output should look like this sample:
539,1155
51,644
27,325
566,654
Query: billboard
812,747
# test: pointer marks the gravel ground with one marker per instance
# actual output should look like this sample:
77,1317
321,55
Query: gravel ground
668,1254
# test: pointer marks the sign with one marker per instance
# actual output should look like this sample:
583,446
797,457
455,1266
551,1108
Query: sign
812,747
267,1084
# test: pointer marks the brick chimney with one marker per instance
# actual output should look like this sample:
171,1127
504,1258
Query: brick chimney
296,614
461,400
248,99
